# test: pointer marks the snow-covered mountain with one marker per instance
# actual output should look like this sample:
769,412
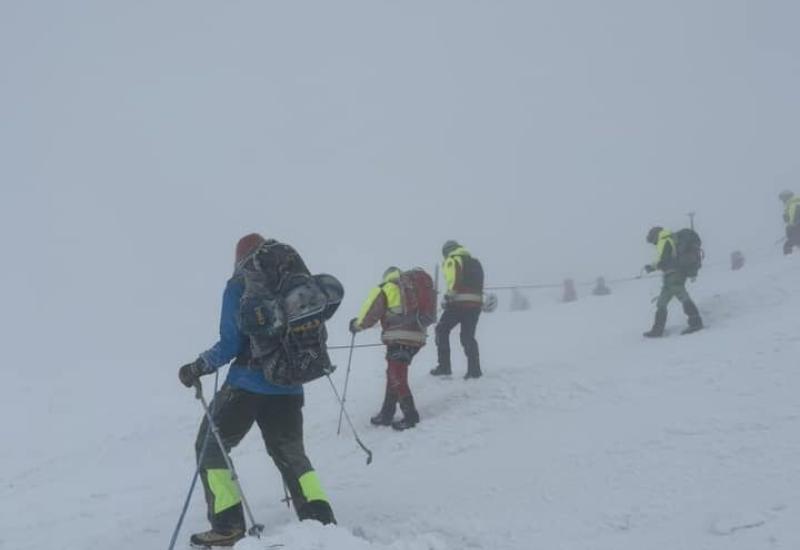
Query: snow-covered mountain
581,436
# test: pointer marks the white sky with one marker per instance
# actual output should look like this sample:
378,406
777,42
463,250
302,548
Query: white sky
139,140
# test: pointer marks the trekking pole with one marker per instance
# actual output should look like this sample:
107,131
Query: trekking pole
256,528
346,381
194,479
350,422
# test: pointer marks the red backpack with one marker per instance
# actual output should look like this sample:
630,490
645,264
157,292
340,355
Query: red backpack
418,296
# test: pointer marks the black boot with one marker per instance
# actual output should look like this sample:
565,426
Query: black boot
441,371
658,325
695,322
410,414
385,417
473,366
318,510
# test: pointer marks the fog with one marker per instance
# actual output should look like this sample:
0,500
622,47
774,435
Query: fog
140,140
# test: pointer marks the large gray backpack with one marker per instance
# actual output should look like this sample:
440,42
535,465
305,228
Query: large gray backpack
283,313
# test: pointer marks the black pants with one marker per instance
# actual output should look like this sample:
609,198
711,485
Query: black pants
792,238
280,419
468,319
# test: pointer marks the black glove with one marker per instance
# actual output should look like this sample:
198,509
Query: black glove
191,373
649,268
354,325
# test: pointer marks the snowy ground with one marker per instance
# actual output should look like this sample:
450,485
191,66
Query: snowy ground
581,436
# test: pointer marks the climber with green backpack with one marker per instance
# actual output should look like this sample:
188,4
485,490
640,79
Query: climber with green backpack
680,257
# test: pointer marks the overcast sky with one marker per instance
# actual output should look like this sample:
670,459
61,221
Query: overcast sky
140,140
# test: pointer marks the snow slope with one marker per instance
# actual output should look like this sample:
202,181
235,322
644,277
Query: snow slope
582,435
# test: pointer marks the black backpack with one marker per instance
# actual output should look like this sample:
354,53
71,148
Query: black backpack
471,275
283,312
688,252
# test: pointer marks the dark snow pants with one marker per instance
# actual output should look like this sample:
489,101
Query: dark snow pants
280,419
792,238
674,287
467,317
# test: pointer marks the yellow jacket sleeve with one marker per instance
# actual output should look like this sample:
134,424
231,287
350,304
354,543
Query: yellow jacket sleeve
661,261
662,243
372,309
450,267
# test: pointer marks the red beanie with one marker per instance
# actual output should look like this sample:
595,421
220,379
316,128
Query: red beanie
247,245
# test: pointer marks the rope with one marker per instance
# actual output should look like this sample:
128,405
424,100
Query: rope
615,281
347,347
541,286
524,286
623,280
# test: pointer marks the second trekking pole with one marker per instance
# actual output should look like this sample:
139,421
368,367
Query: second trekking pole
255,528
346,381
350,422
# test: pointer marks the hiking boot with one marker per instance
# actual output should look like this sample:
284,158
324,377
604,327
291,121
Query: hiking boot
317,510
385,417
382,419
695,321
215,539
403,424
410,414
692,329
658,325
441,371
473,365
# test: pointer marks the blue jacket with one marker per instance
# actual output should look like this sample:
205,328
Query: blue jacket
233,345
